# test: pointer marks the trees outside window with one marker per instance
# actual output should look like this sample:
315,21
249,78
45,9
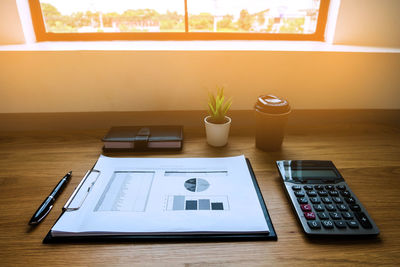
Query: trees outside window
179,19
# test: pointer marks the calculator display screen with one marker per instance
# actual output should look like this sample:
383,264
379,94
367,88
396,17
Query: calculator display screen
312,174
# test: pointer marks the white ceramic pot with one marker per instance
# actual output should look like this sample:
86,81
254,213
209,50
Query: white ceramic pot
217,134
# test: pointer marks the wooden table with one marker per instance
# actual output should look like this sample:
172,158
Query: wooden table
367,155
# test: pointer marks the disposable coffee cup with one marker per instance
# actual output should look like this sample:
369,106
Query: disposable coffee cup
271,114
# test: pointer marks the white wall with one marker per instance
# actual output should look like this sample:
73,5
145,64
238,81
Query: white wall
11,31
68,81
368,22
45,81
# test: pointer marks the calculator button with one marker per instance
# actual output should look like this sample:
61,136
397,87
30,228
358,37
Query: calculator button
341,187
323,215
340,224
352,224
319,187
315,200
329,187
322,193
312,193
363,219
330,207
327,224
350,200
345,193
309,215
302,200
319,207
337,200
334,193
355,207
347,215
342,207
308,187
335,215
326,200
299,193
314,224
305,207
296,187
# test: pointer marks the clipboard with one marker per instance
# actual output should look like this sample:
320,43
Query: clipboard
87,183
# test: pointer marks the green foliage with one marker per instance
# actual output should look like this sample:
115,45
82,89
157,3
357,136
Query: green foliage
49,10
217,106
135,20
260,19
204,21
226,23
141,14
245,20
172,21
292,25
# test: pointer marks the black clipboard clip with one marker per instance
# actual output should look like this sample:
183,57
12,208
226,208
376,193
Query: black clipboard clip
81,192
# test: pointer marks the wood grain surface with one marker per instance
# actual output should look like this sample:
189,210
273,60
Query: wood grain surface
367,155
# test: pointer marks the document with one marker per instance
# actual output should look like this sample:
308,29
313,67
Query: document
158,196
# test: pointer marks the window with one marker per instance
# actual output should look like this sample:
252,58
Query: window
62,20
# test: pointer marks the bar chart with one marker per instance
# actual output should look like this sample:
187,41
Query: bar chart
126,191
199,203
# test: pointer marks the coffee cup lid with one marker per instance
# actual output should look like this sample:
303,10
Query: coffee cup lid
272,104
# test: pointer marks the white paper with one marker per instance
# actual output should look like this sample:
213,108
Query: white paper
167,195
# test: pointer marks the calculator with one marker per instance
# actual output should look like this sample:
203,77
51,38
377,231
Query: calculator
322,201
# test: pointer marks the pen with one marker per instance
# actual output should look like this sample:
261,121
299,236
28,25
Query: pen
47,204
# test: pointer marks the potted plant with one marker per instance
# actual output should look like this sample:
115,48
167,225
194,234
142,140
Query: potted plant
217,123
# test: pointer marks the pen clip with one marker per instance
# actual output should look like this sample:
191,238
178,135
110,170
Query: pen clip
77,191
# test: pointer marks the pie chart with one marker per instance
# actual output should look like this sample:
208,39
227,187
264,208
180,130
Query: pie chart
196,185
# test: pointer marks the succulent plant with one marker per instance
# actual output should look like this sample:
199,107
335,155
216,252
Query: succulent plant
218,107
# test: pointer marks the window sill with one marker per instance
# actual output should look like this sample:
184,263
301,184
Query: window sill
195,46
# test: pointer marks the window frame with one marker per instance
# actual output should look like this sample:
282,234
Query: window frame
42,35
